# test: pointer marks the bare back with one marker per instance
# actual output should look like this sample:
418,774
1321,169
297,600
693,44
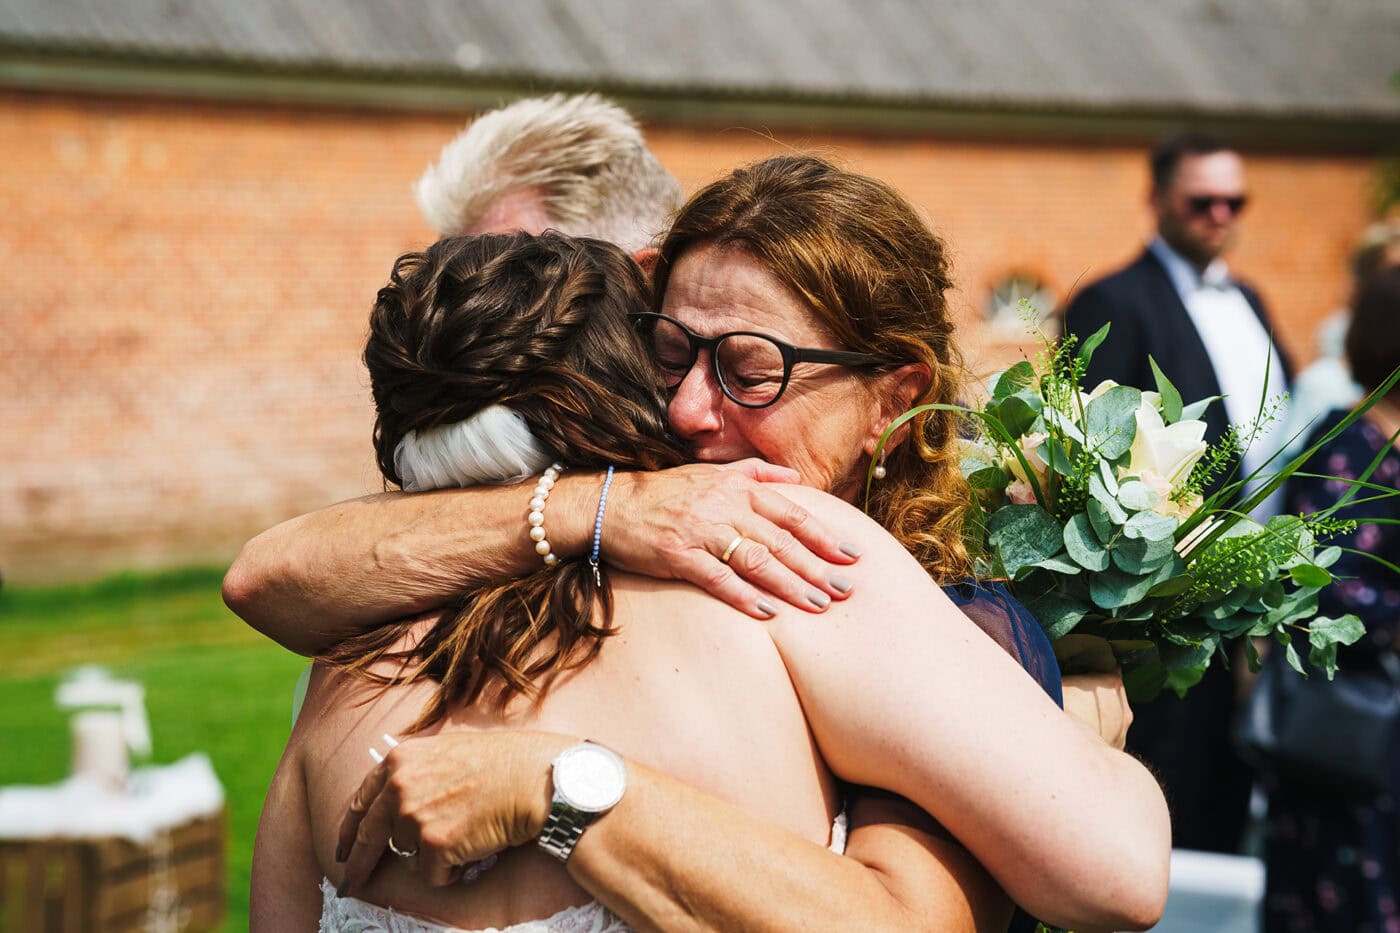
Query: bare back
686,686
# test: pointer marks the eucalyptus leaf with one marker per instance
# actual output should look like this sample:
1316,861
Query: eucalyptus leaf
1136,496
1023,535
1083,544
1108,478
1141,555
1100,494
1171,398
1059,564
1101,521
1112,588
1137,612
1057,614
1110,423
1151,526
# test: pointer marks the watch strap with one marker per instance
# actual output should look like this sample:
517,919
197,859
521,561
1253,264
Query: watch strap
563,828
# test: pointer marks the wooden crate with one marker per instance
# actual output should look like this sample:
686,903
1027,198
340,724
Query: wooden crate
174,884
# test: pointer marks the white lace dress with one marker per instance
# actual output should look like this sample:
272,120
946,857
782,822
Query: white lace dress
351,915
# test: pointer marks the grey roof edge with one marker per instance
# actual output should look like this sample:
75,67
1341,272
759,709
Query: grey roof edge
136,72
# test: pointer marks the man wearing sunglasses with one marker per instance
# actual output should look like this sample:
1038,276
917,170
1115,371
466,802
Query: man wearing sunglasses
1211,336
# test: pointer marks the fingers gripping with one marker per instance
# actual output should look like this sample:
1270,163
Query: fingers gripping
367,827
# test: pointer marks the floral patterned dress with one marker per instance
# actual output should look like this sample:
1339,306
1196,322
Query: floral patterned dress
1334,864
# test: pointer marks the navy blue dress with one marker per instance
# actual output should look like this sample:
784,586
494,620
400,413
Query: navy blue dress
1012,626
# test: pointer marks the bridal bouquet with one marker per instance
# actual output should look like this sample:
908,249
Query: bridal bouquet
1095,506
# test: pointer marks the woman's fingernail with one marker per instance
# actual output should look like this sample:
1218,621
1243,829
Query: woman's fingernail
767,608
840,584
818,598
340,852
850,550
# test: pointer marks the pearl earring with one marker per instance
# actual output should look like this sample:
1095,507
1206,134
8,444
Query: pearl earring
880,467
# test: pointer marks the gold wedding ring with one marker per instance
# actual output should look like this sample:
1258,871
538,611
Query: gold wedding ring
729,551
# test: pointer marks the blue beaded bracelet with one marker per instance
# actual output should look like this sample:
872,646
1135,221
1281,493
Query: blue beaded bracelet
598,530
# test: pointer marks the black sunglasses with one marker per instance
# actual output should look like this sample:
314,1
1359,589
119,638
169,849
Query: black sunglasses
1204,204
752,369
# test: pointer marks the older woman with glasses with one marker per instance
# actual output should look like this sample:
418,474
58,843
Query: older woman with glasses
800,310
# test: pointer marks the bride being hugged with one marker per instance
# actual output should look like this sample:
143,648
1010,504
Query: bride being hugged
501,357
489,358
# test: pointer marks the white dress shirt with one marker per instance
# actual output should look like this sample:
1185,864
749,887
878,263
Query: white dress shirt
1241,352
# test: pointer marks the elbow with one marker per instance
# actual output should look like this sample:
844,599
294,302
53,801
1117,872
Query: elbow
1122,883
1140,905
249,586
242,587
1142,864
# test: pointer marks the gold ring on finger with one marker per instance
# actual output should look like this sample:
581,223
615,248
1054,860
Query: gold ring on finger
733,546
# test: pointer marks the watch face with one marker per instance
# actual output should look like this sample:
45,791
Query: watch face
590,778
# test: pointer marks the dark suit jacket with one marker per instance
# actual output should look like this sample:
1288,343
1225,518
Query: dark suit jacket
1148,318
1187,743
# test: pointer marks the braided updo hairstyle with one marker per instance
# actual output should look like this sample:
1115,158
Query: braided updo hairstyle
539,324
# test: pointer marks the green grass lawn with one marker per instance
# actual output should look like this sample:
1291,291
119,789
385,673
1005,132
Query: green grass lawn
212,685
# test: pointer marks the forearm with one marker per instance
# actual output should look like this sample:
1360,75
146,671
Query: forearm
316,579
672,858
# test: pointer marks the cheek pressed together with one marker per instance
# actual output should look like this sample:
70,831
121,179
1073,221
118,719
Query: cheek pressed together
825,420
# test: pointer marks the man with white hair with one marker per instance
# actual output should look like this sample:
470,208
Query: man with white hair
576,163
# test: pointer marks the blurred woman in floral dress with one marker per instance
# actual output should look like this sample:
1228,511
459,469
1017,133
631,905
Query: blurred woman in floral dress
1334,859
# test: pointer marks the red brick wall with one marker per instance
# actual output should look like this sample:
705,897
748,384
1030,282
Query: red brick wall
186,285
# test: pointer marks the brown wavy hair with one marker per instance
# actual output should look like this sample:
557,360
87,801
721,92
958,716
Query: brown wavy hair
541,325
870,270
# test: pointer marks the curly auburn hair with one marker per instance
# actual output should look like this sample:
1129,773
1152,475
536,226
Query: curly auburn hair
871,271
539,324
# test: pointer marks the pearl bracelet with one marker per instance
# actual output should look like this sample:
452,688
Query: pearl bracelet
536,516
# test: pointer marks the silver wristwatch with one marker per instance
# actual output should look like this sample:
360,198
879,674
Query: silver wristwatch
589,780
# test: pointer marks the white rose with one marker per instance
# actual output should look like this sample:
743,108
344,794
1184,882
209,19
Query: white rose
1170,451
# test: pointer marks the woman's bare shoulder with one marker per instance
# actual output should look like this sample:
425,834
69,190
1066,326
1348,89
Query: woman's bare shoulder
886,577
848,521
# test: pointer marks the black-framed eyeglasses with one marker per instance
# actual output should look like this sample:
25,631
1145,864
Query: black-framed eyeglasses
1204,204
752,369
